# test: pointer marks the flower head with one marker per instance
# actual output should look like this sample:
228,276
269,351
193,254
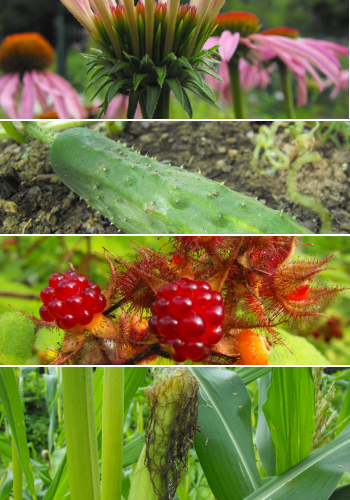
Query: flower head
24,58
149,49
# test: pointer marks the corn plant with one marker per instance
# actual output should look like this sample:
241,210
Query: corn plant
197,416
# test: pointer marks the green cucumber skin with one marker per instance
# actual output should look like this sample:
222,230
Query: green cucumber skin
142,196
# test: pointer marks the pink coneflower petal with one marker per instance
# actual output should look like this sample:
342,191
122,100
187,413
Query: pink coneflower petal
228,44
211,42
28,97
3,81
44,83
73,103
8,98
336,48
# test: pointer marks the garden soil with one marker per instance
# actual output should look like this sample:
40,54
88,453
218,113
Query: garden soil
34,201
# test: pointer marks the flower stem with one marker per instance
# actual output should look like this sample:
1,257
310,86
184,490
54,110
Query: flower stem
237,94
163,106
80,429
112,432
286,85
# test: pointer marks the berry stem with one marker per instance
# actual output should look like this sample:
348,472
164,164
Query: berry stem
237,94
286,84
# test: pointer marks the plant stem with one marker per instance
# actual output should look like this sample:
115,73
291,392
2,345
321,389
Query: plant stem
237,94
112,433
12,131
163,105
307,201
80,429
286,85
38,132
17,466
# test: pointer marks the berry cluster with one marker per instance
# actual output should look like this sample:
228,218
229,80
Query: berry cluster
71,300
188,317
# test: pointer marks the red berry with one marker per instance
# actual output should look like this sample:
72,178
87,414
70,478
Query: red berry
212,337
44,314
191,327
100,304
81,281
68,274
56,308
188,312
47,294
94,287
55,278
180,306
168,327
299,294
90,297
68,321
85,317
75,304
66,289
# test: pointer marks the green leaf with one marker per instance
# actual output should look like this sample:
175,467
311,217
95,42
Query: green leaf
224,446
176,89
263,435
290,414
344,414
132,381
50,393
102,86
138,77
61,472
314,478
11,400
119,66
7,485
161,72
304,353
202,94
132,450
153,93
16,339
250,373
114,89
342,493
187,103
133,102
191,74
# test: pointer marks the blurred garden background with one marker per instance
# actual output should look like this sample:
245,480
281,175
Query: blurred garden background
27,262
319,19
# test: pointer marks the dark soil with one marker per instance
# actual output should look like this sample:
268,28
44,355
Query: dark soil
34,201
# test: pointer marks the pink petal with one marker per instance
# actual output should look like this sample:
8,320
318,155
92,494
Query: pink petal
41,81
211,42
228,44
8,98
70,96
28,97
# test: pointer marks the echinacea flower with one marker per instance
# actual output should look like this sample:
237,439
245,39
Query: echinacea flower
149,49
24,59
238,37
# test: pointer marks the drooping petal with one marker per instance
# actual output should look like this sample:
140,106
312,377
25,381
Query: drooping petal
211,42
44,83
9,94
70,97
228,44
28,97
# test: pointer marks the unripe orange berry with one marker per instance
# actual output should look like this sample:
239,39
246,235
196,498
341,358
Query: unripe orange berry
253,348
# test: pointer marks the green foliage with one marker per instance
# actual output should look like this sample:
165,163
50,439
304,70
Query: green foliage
16,339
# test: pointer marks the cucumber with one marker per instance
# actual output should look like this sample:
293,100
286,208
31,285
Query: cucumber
142,196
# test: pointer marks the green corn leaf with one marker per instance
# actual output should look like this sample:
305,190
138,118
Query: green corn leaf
315,477
7,485
250,373
16,339
53,488
11,400
344,414
176,89
225,446
290,414
342,493
132,450
50,392
263,435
